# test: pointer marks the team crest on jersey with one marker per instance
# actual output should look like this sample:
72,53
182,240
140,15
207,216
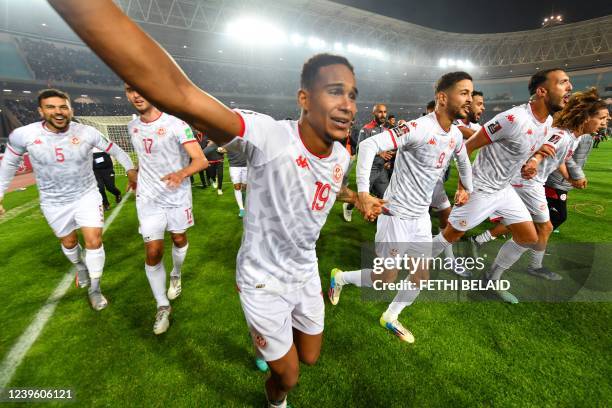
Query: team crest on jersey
135,130
302,162
494,127
75,140
337,173
161,131
510,118
452,143
258,338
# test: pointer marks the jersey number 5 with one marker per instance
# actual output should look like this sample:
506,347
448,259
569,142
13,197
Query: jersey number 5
321,196
59,155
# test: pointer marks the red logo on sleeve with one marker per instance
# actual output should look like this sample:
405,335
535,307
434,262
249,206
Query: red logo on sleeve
510,118
302,162
530,132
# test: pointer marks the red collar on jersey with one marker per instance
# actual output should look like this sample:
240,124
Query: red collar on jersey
306,147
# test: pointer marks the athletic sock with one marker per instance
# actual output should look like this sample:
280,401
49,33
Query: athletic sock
507,256
94,259
536,259
360,277
403,299
74,256
484,237
448,253
178,257
156,275
438,244
238,195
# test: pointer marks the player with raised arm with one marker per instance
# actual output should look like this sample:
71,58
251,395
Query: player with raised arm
168,153
296,171
585,112
424,147
61,152
507,141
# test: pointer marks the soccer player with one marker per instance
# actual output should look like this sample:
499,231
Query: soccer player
507,141
61,156
440,203
585,112
238,174
424,147
296,172
168,153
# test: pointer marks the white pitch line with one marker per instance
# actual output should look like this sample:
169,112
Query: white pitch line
17,211
15,356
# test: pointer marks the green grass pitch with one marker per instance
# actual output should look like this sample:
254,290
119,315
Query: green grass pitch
466,353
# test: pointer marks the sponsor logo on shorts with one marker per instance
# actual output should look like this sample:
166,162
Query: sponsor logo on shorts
542,207
259,339
394,252
494,127
337,173
463,223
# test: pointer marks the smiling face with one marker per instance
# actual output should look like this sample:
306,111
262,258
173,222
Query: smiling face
330,106
140,103
457,99
56,112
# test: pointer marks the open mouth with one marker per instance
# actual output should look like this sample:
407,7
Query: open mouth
566,98
341,123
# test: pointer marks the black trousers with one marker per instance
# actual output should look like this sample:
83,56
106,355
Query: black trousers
557,206
379,181
215,170
202,178
106,181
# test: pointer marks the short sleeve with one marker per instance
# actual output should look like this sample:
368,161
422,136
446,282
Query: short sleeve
557,140
502,125
410,134
263,136
183,132
16,142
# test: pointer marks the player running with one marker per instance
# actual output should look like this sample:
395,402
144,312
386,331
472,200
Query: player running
424,147
296,171
585,112
168,153
507,141
61,152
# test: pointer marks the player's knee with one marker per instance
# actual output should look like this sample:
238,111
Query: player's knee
528,238
238,187
93,242
179,240
154,254
310,358
545,229
289,379
69,242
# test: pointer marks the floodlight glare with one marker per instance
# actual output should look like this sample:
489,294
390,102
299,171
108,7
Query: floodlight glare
254,31
316,43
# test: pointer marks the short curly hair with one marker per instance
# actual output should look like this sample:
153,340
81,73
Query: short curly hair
578,109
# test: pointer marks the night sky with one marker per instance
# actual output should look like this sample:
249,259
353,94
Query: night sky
483,16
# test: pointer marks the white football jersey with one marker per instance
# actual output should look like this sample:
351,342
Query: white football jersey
424,150
470,125
515,135
289,195
62,162
159,146
564,143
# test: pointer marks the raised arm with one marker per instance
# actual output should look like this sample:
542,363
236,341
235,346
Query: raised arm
143,64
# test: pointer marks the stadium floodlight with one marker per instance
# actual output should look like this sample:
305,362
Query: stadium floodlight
27,92
443,63
338,46
251,30
297,39
316,43
7,90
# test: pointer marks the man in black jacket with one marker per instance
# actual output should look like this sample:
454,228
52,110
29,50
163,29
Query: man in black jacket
105,176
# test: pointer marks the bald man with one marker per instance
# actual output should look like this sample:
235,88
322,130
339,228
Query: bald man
379,177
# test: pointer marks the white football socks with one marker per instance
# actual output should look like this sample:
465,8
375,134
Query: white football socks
536,259
156,275
403,299
484,237
238,195
94,259
178,257
438,244
360,277
508,254
74,256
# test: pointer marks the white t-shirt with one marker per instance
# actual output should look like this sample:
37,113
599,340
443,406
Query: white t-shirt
424,150
62,162
289,195
515,135
159,146
564,143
